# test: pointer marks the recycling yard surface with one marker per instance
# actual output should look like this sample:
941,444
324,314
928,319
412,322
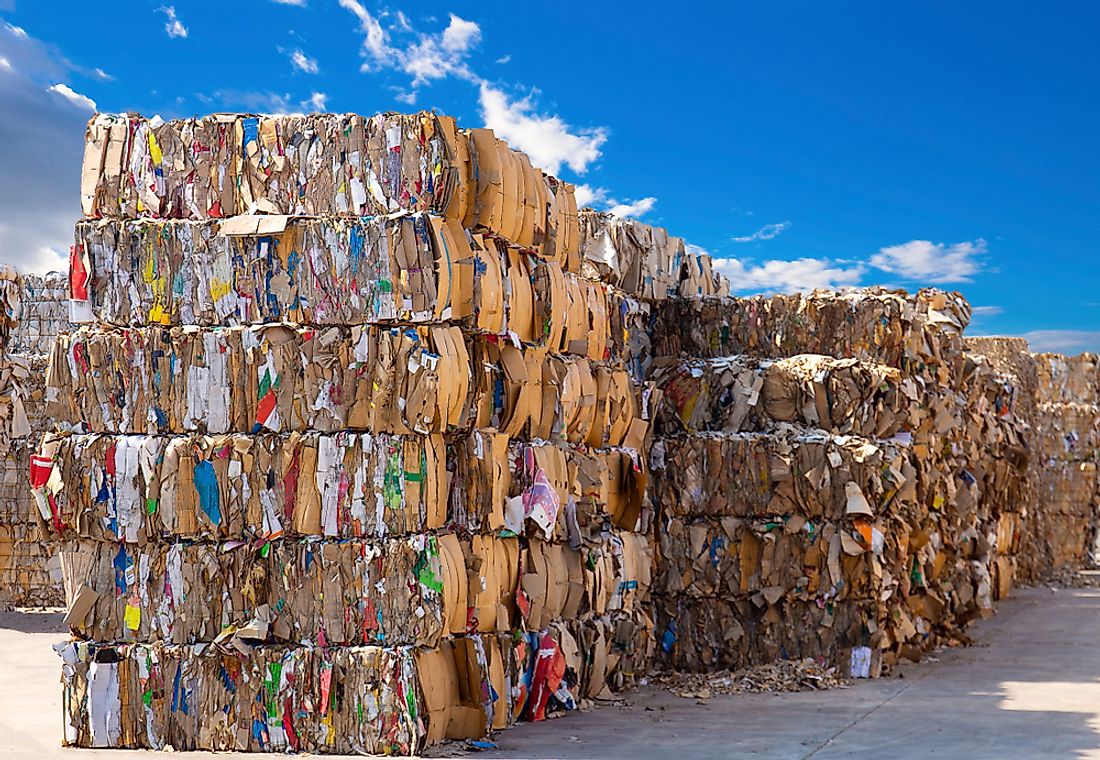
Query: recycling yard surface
1029,687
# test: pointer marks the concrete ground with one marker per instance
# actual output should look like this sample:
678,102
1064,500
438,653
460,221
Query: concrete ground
1029,688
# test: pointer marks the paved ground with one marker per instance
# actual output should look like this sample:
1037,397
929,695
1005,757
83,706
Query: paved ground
1029,689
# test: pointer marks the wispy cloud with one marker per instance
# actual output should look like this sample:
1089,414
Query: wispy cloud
986,311
589,196
600,199
18,31
318,101
102,75
173,27
303,62
767,232
5,64
503,59
74,97
296,3
779,276
424,57
546,138
1063,341
633,209
926,262
460,35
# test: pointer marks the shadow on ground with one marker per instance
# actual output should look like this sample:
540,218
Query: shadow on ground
32,620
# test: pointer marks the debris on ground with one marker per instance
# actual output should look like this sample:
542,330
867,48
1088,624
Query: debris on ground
777,677
1068,577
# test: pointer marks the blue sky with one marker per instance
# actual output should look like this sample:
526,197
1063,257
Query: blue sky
802,144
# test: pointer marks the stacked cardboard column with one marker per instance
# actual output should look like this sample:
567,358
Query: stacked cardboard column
808,483
352,452
36,309
1001,447
1068,433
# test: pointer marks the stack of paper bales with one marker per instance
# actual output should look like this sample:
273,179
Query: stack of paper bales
1068,433
847,510
352,445
36,309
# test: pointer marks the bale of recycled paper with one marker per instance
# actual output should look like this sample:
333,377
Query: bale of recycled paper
792,471
139,488
363,700
915,332
782,556
323,165
740,393
1068,378
644,261
723,634
43,314
397,592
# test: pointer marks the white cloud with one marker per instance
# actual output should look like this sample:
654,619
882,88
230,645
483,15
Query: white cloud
5,64
295,3
375,39
18,31
767,232
503,59
460,35
41,142
317,101
547,139
1063,341
426,58
986,311
924,261
102,75
633,209
74,97
303,62
589,196
776,276
600,198
173,26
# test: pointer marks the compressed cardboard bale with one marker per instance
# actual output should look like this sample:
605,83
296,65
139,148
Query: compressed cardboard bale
254,269
323,165
629,343
1068,432
1011,357
20,399
785,556
1063,527
139,488
571,494
919,332
349,593
644,261
43,313
739,393
30,572
363,700
1068,378
222,165
791,471
726,634
260,378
